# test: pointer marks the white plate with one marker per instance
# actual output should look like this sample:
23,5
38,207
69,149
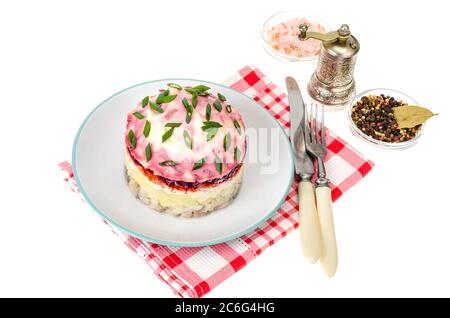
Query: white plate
98,165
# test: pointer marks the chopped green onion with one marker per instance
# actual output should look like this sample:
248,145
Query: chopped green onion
173,125
194,100
187,139
208,112
218,164
148,152
212,132
168,134
237,154
188,118
228,108
217,105
147,128
221,97
132,139
198,164
226,141
145,101
210,124
168,163
156,107
189,109
237,126
201,88
164,97
190,90
138,115
176,86
164,93
167,99
194,94
186,105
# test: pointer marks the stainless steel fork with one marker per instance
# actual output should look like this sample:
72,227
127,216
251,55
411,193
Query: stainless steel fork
316,146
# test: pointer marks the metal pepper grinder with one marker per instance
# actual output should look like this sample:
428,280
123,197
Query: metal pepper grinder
332,83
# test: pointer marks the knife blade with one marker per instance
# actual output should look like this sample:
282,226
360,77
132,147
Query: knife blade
304,167
310,236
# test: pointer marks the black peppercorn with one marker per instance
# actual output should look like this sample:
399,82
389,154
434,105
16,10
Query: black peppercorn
374,116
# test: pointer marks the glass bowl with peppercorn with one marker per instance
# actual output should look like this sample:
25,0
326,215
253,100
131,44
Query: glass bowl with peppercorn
374,118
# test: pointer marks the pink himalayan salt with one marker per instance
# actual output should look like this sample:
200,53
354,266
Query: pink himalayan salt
283,38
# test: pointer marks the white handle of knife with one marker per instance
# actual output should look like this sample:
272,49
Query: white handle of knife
309,222
329,257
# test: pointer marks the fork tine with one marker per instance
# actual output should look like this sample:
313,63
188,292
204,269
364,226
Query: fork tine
311,131
307,130
308,122
322,125
311,122
316,126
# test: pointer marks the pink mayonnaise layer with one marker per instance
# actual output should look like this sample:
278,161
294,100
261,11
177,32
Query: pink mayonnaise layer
176,149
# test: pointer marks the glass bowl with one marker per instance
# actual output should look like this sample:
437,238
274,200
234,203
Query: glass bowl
399,96
283,16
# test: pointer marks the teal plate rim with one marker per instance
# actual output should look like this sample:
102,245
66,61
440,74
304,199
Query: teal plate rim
169,243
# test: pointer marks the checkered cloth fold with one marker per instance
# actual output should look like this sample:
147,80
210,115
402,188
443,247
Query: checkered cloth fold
194,271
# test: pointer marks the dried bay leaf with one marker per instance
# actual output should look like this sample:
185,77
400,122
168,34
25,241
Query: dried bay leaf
411,116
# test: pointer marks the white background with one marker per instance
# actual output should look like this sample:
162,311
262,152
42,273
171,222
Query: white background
59,59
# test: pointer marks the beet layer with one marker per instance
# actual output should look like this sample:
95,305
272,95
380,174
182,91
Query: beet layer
183,185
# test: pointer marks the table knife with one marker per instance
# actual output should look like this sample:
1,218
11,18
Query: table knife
308,219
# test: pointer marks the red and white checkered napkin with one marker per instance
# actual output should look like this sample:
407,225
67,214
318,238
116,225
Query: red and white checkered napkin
194,271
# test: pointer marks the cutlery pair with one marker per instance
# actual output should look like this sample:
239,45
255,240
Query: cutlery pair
316,216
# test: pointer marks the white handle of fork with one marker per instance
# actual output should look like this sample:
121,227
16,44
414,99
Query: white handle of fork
329,257
309,222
